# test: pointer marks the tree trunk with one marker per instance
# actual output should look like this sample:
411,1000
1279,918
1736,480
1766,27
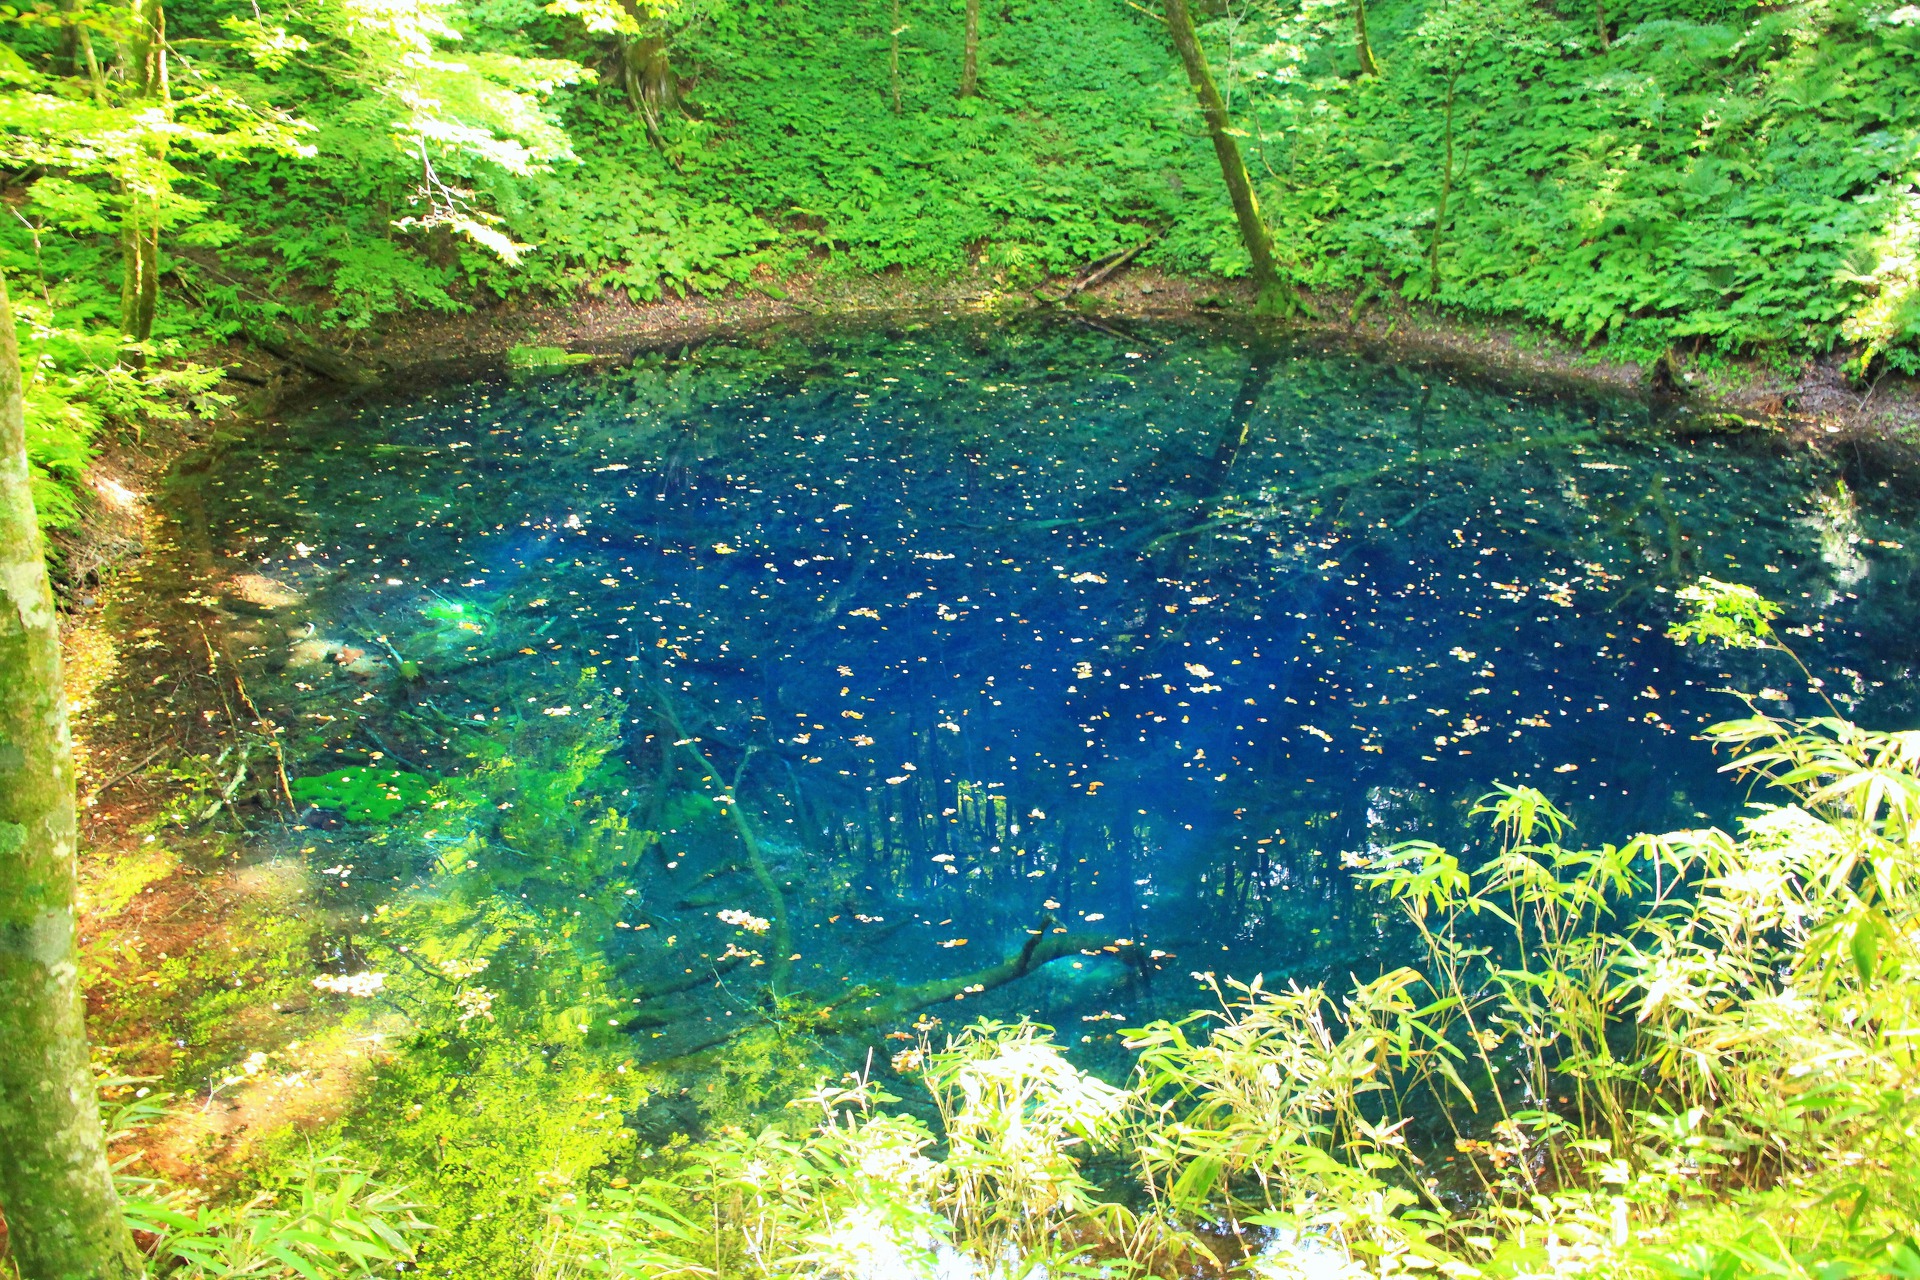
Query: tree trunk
646,72
1446,190
1368,67
140,230
970,55
63,1218
1600,12
140,274
1273,296
893,55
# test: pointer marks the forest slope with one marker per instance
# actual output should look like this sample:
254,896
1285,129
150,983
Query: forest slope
1678,173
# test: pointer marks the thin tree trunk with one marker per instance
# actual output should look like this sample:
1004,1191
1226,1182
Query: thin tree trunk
970,56
63,1218
95,77
893,55
1600,11
140,273
1446,190
1272,295
140,230
1368,67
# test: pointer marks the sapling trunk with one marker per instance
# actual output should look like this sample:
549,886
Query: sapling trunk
1271,293
63,1218
140,274
970,54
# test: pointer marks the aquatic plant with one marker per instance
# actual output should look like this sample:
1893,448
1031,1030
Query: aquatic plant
545,359
363,793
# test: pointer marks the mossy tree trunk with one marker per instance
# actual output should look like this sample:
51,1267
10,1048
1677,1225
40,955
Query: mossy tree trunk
146,78
646,72
970,53
63,1218
1446,188
893,55
1273,295
1368,66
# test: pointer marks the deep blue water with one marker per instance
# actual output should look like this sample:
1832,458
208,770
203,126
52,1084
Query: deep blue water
1139,632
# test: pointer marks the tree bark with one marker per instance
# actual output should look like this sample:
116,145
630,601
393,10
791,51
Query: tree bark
140,230
1446,191
140,274
63,1218
970,54
646,72
893,54
1273,296
1368,67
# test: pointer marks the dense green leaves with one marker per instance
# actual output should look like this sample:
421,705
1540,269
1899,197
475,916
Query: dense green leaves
1694,175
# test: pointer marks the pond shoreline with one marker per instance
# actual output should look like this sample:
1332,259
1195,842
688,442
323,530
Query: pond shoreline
126,636
1814,402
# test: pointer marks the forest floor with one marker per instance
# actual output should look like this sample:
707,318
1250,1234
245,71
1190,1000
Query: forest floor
181,928
184,923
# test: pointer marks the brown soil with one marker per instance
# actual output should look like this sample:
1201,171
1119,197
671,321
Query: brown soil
1814,399
152,687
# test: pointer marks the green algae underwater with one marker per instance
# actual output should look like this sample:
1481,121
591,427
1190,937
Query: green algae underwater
666,733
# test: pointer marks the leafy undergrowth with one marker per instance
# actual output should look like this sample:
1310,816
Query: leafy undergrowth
1684,175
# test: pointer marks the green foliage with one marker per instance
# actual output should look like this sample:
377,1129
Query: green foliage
363,793
324,1218
1724,613
544,359
1722,177
1692,174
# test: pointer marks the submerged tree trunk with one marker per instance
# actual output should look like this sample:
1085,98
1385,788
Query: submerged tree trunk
1272,294
63,1218
1368,67
892,1005
970,55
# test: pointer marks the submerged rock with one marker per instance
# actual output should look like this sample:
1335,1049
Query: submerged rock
262,592
320,818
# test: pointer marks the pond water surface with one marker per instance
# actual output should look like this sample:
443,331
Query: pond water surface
976,631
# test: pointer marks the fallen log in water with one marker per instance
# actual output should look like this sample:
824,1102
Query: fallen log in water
867,1009
891,1006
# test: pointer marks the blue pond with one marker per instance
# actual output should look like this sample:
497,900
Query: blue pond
975,631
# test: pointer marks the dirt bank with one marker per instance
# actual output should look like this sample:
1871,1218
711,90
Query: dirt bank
1812,399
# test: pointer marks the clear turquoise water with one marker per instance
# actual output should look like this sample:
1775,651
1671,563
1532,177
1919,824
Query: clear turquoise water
1042,626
